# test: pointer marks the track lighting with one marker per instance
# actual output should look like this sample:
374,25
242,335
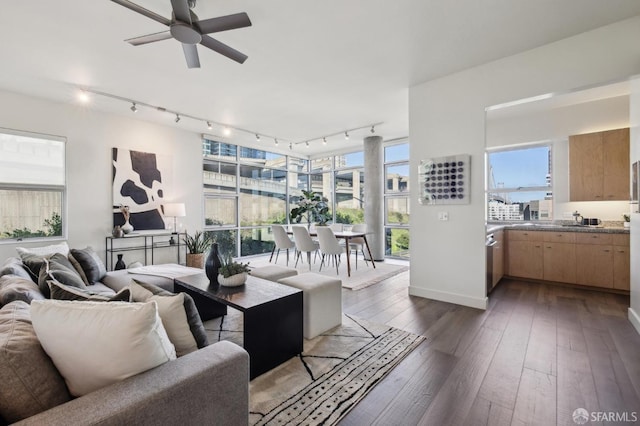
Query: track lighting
276,141
258,137
209,125
290,145
324,141
307,144
133,107
373,129
346,135
83,96
227,131
177,118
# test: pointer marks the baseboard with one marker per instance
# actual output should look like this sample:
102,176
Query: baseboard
443,296
634,318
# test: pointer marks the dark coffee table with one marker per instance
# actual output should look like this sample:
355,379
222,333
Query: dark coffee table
272,316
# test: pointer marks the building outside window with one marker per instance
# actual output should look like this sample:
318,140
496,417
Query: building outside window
396,200
32,185
519,184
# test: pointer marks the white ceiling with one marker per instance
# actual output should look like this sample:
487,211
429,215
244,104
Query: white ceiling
314,67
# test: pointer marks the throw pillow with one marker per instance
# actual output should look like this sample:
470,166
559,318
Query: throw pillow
173,316
14,266
62,248
64,292
30,381
90,263
78,268
33,263
95,344
13,287
193,316
58,268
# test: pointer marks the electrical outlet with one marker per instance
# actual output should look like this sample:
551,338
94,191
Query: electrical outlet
444,216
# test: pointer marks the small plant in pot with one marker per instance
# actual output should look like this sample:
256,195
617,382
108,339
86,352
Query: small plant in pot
232,273
197,244
627,220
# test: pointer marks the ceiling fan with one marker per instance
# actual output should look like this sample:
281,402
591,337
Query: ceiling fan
185,27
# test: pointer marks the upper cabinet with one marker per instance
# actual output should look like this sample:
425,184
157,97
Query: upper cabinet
599,166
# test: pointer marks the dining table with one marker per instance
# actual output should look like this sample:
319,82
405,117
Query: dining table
346,236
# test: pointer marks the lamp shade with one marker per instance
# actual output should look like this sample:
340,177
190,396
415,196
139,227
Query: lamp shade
174,210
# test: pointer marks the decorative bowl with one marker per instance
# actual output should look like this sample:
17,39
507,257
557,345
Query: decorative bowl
232,281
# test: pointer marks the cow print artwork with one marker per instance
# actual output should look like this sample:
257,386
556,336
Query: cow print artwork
140,180
445,180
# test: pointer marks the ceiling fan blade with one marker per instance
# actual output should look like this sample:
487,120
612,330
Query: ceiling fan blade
181,10
224,23
223,49
149,38
141,10
191,55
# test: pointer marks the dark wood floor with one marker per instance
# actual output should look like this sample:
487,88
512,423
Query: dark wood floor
534,356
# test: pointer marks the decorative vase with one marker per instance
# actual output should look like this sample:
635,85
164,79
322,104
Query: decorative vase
117,232
213,263
234,280
195,260
627,224
120,263
127,227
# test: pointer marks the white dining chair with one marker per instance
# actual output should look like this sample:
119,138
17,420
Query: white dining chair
304,243
329,246
358,244
282,242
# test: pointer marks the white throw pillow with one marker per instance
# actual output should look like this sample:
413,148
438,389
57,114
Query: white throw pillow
173,316
95,344
62,248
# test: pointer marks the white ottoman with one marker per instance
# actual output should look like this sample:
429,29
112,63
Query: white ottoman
272,272
321,301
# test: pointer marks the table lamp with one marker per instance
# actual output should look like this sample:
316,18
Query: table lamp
174,210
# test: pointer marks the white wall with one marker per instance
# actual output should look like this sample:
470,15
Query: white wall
447,118
556,125
90,137
634,309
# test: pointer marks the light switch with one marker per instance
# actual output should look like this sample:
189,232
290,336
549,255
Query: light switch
444,216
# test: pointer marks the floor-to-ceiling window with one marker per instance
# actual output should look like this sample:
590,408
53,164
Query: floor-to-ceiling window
396,200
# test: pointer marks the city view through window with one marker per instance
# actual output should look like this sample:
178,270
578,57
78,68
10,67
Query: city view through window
520,184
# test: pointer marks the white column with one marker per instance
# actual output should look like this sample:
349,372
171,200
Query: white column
374,195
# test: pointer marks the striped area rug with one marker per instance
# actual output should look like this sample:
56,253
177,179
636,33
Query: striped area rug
335,371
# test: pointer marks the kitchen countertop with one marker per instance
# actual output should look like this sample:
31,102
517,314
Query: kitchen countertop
491,227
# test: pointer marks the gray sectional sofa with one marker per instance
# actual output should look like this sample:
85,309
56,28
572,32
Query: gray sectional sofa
208,386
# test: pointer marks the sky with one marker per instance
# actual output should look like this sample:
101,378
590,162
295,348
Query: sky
521,168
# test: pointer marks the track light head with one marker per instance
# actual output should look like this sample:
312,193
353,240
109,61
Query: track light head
209,125
346,135
258,137
134,108
83,96
227,131
373,129
290,145
177,118
307,144
324,141
275,140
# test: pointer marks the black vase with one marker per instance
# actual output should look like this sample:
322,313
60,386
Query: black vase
120,263
213,263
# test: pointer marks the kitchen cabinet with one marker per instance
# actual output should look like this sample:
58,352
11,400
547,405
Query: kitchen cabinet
498,257
595,265
599,166
559,258
621,262
525,257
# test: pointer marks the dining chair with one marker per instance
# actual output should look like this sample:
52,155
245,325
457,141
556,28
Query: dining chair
357,244
282,242
329,246
304,243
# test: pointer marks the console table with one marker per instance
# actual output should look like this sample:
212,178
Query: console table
146,242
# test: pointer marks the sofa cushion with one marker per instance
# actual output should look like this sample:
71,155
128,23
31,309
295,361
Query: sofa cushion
30,382
13,287
78,267
193,316
62,248
58,268
64,292
14,266
173,316
33,263
91,264
111,341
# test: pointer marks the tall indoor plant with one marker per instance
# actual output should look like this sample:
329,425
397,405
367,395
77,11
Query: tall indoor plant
313,207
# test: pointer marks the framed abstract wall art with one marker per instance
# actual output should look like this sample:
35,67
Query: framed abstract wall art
445,180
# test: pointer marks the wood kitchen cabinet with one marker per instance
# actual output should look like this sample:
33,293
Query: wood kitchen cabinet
621,262
599,166
525,257
594,259
559,256
498,257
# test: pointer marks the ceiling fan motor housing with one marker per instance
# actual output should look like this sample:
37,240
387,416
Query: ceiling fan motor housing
184,33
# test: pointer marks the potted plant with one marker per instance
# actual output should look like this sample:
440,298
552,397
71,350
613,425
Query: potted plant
197,245
313,207
232,273
627,220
